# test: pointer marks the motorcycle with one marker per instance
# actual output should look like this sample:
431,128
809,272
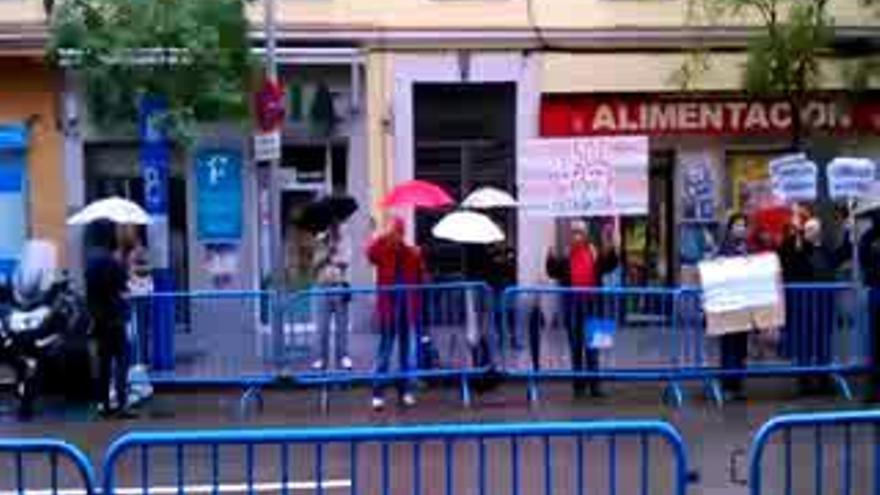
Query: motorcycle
44,335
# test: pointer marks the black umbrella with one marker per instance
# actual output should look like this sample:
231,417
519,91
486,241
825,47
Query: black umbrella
319,215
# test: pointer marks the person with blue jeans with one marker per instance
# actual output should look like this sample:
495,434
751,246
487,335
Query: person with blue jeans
397,264
331,306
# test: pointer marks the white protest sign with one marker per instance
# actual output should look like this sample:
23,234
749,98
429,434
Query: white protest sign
596,176
742,293
850,178
794,178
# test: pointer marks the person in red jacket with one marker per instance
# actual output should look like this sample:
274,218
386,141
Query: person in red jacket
397,264
583,267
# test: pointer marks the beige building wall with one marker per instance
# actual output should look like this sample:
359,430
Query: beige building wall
584,14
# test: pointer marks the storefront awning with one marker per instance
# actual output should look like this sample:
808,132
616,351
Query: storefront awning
13,137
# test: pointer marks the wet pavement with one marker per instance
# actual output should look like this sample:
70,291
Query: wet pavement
715,439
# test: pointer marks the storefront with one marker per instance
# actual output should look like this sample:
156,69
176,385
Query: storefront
708,157
32,195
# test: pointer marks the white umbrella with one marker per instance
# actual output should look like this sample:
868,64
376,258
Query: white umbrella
467,227
489,197
116,210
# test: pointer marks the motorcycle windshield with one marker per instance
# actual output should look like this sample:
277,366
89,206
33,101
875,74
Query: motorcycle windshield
36,271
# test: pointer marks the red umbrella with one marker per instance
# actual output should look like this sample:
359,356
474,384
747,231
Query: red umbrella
418,194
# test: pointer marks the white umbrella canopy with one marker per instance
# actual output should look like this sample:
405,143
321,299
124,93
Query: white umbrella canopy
489,197
467,227
116,210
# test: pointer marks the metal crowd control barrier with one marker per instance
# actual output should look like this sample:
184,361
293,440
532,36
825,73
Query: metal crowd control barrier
824,335
549,458
392,334
61,466
836,452
221,337
593,335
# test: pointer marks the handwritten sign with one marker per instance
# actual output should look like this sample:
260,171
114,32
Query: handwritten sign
850,178
742,293
793,178
603,176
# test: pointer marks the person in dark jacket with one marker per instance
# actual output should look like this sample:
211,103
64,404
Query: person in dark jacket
806,259
869,261
582,267
734,346
106,286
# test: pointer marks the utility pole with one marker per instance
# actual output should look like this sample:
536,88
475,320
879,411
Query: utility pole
276,251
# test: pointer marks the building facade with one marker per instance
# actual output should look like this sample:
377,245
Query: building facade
32,178
381,92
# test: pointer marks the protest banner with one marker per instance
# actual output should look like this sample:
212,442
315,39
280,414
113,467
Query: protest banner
850,178
742,293
580,177
794,178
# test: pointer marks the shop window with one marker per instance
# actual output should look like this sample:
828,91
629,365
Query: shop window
13,204
13,194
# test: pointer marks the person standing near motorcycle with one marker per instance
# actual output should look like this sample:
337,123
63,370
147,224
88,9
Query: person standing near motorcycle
106,287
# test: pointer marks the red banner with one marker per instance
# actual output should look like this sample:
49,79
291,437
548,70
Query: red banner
610,115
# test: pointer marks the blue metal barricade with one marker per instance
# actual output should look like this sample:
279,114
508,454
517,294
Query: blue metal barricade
835,452
629,334
36,465
221,338
396,334
550,458
823,333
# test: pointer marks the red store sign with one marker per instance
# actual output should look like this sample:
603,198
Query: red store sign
609,115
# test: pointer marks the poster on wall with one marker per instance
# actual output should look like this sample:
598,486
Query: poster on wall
219,195
750,182
585,177
698,187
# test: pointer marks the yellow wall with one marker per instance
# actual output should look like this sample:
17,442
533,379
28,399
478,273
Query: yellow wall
21,11
28,88
601,14
616,73
509,13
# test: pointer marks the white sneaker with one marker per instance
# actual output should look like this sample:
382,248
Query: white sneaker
378,403
318,365
346,364
409,400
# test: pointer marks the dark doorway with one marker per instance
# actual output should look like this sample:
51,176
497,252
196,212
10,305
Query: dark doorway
465,138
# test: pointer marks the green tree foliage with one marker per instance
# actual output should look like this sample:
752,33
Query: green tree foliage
195,53
783,55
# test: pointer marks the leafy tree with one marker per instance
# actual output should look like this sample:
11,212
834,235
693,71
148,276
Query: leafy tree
783,56
194,53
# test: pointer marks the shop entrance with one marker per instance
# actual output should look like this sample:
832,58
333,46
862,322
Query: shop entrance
464,139
647,242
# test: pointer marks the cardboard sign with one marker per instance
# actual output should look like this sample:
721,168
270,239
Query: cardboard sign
585,177
793,178
743,293
850,178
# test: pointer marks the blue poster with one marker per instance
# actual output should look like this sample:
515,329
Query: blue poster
155,155
219,195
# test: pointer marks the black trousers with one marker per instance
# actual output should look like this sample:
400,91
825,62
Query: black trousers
734,350
874,336
577,307
112,364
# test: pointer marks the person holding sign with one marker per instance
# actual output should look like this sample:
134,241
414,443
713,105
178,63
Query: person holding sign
582,267
735,346
869,257
806,258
